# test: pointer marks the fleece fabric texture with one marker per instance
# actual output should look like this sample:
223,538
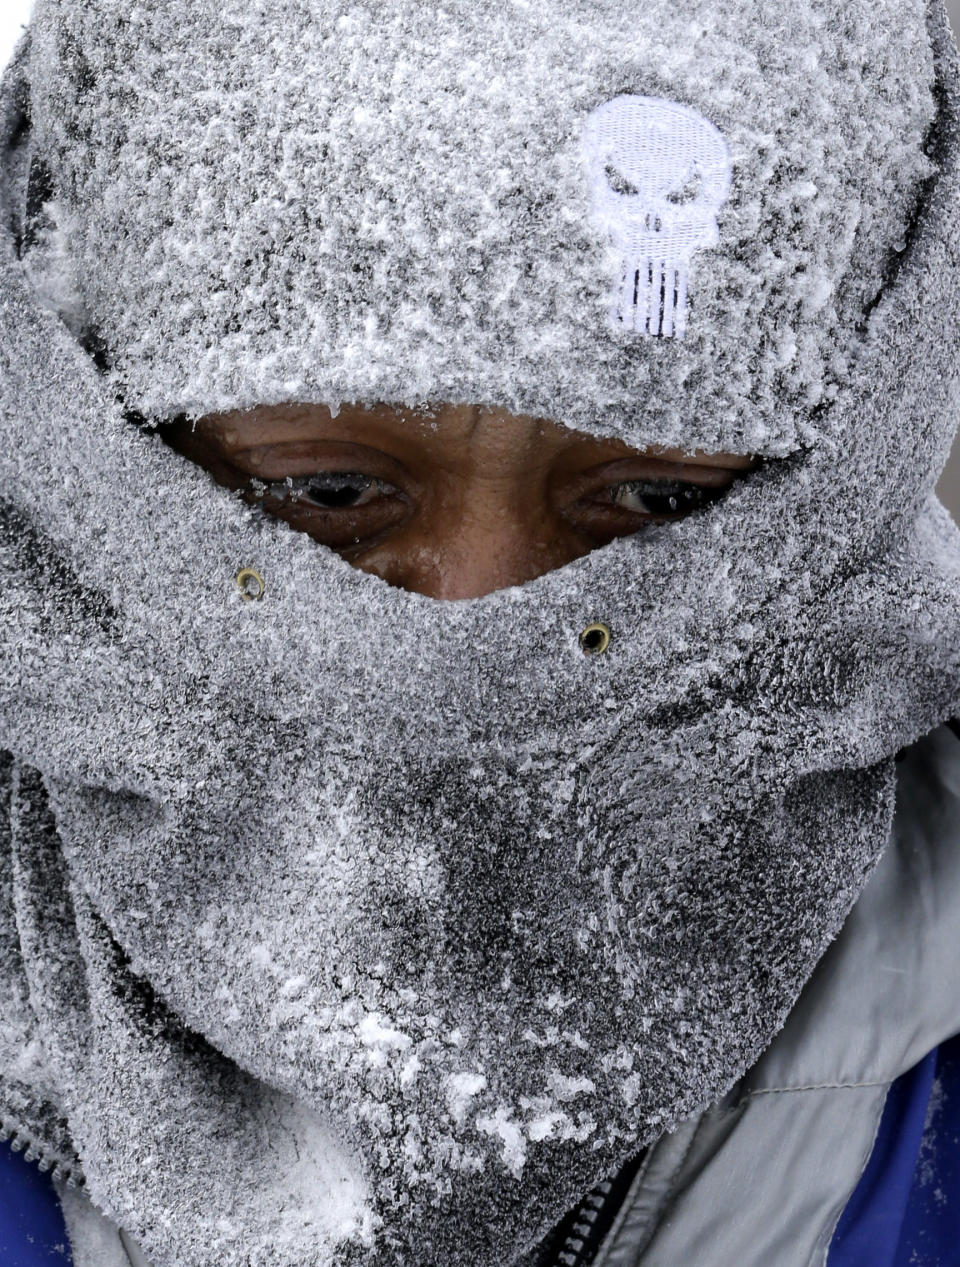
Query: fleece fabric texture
352,927
906,1198
391,203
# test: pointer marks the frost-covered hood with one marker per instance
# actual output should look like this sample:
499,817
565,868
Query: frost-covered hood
353,926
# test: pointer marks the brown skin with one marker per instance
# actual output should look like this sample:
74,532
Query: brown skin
453,506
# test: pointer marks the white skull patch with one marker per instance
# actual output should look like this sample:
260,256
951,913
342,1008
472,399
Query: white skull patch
659,174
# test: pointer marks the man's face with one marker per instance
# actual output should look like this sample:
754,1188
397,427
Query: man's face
456,504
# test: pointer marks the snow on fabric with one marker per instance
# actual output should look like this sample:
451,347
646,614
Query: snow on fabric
414,892
392,204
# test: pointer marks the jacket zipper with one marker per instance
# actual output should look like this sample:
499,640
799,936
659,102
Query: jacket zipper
587,1230
20,1141
580,1235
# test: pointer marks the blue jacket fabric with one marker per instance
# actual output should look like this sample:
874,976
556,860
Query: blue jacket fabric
905,1211
32,1231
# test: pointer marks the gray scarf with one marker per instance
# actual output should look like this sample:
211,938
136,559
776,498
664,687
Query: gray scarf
349,926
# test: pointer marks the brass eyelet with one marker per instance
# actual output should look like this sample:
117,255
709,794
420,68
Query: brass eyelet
595,639
244,577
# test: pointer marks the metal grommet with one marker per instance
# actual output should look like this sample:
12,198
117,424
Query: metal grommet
244,577
595,639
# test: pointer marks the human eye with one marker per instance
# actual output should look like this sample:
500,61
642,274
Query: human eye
331,490
663,497
342,509
622,498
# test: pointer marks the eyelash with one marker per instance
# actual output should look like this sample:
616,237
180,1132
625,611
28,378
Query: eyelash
679,495
296,490
674,496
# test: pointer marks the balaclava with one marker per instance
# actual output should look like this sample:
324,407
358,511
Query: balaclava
348,926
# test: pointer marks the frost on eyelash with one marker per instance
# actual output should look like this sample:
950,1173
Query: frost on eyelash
294,489
681,495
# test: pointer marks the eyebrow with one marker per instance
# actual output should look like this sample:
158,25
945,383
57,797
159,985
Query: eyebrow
293,426
723,461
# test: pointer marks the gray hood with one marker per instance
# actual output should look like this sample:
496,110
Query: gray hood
353,926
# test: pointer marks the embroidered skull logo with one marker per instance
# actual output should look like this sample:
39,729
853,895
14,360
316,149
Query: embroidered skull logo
659,173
